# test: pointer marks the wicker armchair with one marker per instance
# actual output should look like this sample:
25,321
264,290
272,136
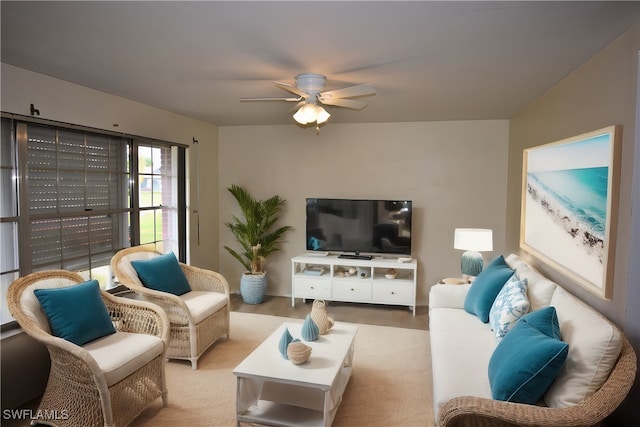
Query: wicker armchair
86,386
194,328
478,412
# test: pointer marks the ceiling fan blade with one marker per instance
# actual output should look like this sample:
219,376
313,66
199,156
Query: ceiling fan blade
297,106
271,99
292,89
351,91
340,102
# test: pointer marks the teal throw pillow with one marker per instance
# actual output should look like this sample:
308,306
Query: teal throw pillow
526,361
162,273
486,287
76,313
545,320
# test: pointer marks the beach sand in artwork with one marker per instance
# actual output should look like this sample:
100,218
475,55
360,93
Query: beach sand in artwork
554,234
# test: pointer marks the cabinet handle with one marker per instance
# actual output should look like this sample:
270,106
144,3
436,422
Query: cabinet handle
312,287
393,292
351,289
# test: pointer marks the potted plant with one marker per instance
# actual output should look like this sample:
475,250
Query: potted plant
258,238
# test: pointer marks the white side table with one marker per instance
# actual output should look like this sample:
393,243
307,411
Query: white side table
453,281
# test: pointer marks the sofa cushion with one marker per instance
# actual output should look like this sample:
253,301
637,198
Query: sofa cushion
486,287
510,305
162,273
539,288
526,361
594,347
120,354
76,313
448,296
461,346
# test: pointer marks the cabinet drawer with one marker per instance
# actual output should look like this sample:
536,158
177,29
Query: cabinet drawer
393,293
309,287
351,290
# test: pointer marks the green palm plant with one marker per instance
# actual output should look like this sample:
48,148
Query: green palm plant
255,232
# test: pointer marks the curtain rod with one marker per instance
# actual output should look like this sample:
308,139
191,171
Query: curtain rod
66,125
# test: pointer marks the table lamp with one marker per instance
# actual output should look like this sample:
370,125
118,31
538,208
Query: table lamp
473,241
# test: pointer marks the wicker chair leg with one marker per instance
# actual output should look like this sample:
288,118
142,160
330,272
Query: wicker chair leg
194,363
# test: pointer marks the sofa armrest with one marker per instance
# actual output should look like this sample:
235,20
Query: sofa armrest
448,296
476,411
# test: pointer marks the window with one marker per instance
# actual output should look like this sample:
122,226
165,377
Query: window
72,198
158,196
75,193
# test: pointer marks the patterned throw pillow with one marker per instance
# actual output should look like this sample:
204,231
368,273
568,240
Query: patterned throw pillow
509,306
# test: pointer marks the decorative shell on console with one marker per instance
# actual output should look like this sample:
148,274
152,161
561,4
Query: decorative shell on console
391,273
298,352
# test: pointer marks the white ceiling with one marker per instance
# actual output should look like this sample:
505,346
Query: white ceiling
428,60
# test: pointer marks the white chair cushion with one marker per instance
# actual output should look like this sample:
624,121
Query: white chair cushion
202,304
539,288
119,355
594,347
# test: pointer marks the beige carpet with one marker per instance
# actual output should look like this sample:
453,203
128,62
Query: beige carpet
390,383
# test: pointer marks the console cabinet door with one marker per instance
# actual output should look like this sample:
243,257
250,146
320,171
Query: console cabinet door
312,288
351,290
393,294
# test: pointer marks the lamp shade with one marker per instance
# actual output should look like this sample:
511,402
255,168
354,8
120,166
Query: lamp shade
473,239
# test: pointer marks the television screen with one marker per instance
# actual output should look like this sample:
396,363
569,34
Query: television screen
360,226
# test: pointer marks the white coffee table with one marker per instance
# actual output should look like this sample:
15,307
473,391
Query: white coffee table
273,391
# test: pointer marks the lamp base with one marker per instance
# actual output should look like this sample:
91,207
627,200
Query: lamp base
471,263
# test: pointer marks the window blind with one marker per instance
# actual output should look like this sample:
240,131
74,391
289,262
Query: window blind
77,197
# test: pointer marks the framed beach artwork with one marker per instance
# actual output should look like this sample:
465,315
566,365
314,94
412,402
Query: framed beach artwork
569,206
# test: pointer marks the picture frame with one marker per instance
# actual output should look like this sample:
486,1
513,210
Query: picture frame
570,193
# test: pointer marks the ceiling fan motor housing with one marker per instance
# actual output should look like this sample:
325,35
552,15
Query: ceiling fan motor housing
312,84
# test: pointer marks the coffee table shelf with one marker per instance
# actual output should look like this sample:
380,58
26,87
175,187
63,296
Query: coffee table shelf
277,414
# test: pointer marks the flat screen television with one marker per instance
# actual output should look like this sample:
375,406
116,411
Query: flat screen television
359,226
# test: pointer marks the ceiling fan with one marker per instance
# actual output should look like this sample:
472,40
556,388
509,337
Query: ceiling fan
309,89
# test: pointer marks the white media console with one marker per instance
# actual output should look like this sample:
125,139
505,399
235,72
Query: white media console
354,280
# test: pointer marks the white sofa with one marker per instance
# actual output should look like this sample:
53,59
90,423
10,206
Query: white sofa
598,372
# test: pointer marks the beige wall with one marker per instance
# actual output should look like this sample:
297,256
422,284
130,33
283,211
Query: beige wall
455,173
66,102
600,93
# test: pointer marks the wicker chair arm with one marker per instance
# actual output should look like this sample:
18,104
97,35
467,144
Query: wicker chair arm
201,279
136,316
475,411
174,307
71,360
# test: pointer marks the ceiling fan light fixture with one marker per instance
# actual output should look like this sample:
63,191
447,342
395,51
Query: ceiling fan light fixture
321,115
310,113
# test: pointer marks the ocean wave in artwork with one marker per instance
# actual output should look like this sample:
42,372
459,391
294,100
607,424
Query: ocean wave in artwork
577,200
